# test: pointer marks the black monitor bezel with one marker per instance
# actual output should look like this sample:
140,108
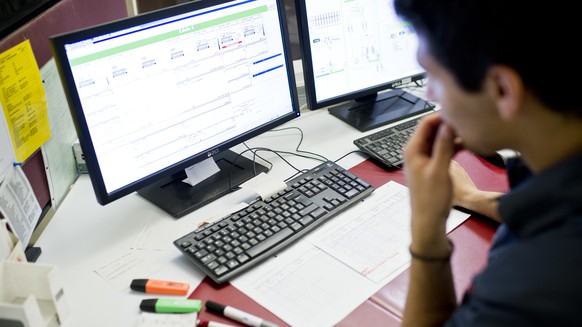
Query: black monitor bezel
309,77
57,43
22,14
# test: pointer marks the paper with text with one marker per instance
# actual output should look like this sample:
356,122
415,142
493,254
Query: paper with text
6,151
60,164
320,280
373,239
123,269
18,204
148,319
23,100
305,286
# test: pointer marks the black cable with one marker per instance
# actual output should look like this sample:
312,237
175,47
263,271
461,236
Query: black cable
254,161
278,153
300,141
347,154
254,150
300,153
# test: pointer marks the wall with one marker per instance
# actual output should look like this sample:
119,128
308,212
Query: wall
66,15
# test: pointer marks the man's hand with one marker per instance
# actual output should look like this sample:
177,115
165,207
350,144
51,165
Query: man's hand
428,155
467,195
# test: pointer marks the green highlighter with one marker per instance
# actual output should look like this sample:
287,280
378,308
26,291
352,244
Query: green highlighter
170,305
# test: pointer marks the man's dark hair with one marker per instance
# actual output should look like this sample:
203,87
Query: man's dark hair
537,39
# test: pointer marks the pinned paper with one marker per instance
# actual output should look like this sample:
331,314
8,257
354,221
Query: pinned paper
6,151
23,100
19,205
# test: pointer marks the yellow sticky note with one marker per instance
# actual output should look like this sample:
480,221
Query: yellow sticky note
23,100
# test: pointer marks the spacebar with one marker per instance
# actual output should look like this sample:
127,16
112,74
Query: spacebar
270,242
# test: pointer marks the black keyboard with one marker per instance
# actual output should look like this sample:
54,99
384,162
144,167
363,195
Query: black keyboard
385,146
239,241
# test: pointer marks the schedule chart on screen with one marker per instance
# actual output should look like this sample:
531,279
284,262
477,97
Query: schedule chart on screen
200,63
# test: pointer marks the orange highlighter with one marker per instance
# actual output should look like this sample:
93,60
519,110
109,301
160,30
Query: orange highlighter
159,286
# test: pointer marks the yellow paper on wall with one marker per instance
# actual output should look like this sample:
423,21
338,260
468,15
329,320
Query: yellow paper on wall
23,100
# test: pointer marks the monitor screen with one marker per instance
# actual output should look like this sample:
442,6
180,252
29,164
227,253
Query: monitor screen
154,94
352,50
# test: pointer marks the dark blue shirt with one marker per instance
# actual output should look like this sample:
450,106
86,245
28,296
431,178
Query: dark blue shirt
534,271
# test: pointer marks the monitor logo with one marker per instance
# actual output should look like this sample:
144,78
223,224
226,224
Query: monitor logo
212,152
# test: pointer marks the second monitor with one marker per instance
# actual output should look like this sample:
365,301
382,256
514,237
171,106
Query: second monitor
351,52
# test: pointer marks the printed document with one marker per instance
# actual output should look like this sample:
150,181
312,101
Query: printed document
321,279
19,205
23,100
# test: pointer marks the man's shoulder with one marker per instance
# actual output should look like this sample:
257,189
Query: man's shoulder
548,264
533,284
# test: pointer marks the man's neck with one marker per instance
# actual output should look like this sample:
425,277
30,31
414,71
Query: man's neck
551,142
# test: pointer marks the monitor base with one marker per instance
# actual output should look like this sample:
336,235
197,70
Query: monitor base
178,198
380,109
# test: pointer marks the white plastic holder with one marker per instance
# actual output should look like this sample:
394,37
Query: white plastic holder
11,247
31,295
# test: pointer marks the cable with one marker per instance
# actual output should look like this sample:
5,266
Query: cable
300,141
256,155
299,153
347,154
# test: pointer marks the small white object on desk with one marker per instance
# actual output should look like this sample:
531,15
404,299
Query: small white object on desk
32,294
148,319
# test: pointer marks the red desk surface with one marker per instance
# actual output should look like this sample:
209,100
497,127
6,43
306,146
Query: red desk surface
472,240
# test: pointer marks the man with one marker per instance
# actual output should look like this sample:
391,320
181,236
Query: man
506,78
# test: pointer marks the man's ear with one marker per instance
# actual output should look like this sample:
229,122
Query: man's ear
508,91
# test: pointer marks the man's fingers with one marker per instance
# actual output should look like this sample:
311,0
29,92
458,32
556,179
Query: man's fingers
444,146
422,140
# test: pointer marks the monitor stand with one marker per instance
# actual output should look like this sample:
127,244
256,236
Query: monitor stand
380,109
178,198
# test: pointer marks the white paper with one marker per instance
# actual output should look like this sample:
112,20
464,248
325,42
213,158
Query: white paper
7,157
19,205
373,237
5,241
148,319
264,185
57,152
304,286
201,171
323,278
123,269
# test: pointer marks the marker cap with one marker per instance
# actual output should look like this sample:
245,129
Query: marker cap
138,285
159,286
215,307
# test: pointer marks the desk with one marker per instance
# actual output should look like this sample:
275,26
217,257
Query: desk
83,235
472,240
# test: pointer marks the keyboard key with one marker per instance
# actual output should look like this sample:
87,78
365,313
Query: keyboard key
270,242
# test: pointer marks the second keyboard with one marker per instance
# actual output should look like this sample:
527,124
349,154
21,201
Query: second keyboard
385,146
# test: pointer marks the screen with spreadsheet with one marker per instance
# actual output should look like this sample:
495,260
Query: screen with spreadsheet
153,94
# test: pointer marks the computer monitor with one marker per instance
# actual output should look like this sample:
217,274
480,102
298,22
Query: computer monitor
353,50
154,94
